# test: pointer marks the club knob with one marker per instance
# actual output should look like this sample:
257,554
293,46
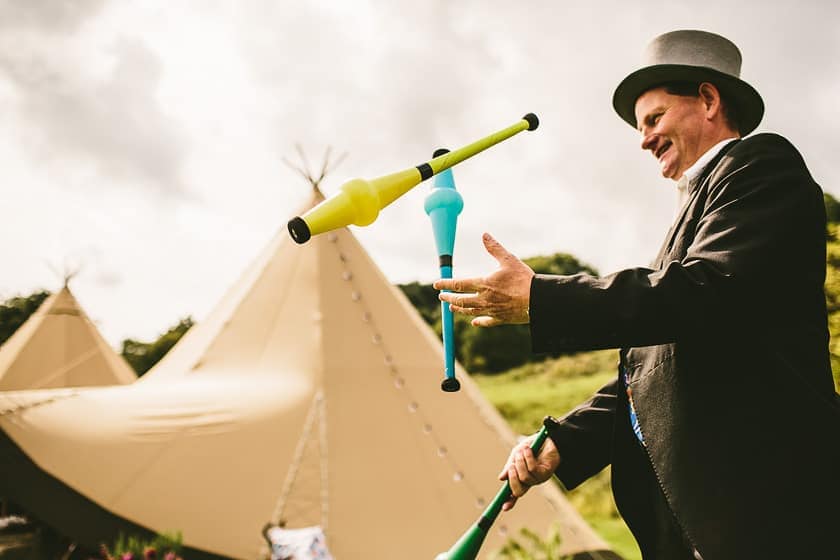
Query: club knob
299,230
533,121
450,385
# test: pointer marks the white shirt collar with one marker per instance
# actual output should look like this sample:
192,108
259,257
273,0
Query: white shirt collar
694,171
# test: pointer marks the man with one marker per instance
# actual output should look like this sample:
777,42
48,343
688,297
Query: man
722,426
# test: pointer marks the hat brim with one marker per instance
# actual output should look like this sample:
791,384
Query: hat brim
748,102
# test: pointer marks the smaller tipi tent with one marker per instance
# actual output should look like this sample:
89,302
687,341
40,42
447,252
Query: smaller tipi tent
59,346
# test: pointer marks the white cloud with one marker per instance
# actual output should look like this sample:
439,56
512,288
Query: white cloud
146,138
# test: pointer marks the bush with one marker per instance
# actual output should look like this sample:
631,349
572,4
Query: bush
141,356
15,311
165,546
532,547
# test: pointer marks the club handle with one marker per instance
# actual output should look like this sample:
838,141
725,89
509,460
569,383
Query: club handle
359,201
448,159
504,494
468,546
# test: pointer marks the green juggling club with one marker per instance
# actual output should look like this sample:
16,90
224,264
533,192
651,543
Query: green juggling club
470,542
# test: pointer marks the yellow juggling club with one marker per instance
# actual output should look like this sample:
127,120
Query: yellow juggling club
359,201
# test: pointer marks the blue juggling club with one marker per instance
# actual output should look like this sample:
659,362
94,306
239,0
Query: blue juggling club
443,204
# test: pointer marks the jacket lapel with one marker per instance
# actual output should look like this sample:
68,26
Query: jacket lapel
693,188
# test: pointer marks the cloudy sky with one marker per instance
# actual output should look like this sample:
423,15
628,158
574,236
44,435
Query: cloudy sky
142,142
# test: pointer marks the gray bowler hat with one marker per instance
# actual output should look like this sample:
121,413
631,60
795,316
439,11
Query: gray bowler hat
692,56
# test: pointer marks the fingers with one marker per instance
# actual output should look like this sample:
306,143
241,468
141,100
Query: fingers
498,299
508,505
459,284
518,486
522,472
496,250
474,305
524,469
459,299
466,304
480,311
526,465
519,469
474,311
504,473
486,321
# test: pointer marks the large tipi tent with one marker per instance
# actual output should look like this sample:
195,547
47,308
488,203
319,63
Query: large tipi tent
59,346
309,395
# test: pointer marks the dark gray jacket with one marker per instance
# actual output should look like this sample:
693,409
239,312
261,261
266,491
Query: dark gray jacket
725,342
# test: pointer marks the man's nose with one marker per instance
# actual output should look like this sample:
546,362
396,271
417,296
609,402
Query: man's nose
648,141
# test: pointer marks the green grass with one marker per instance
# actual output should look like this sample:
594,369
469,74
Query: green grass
614,531
526,394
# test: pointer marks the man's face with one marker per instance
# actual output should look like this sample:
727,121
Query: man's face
672,128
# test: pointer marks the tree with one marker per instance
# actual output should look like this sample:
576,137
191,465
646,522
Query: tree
143,355
832,209
559,263
424,298
832,283
15,311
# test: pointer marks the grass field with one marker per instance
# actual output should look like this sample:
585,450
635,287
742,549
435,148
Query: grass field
526,394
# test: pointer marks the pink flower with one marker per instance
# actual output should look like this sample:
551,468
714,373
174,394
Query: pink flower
150,554
127,556
170,556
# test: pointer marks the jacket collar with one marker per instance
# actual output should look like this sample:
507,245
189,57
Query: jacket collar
693,188
697,168
703,167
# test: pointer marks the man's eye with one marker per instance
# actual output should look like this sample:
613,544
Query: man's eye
656,118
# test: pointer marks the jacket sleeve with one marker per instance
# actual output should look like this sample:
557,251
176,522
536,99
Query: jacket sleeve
584,437
761,210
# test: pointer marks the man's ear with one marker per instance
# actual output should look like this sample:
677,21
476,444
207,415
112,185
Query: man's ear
710,96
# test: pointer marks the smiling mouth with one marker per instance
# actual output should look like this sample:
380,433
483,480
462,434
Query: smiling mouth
662,149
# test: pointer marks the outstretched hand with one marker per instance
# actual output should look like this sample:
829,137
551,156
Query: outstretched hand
501,298
524,470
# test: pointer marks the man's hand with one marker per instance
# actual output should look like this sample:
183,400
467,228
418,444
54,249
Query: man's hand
501,298
523,470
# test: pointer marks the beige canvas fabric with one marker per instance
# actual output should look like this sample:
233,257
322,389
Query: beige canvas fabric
312,394
59,346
